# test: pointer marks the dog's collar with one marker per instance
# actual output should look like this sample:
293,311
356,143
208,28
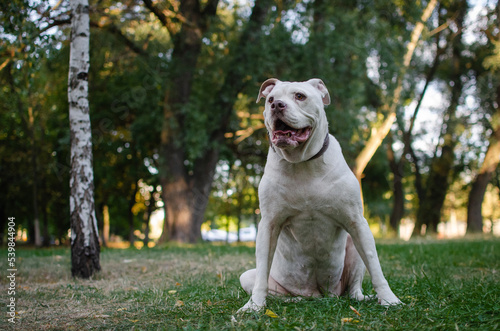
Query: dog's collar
321,151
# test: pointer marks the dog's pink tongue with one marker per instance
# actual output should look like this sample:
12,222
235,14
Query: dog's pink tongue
283,138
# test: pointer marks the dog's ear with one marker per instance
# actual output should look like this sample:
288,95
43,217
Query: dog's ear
266,88
318,83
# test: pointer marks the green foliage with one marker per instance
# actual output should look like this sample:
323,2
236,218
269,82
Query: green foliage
32,136
234,196
356,47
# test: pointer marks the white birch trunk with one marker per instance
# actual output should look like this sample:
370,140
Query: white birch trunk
84,234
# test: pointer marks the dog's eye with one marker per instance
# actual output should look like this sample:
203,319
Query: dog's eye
300,96
270,100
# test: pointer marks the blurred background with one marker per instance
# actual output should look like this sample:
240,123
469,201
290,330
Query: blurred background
179,144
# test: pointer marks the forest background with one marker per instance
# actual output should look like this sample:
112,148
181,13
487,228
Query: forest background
172,88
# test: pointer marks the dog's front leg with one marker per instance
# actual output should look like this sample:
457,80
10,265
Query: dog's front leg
267,238
365,245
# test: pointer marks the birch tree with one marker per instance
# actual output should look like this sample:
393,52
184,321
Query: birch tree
84,234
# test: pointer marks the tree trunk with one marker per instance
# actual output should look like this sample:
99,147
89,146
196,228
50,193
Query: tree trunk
147,218
131,203
180,189
36,180
187,199
85,247
490,163
429,211
380,133
45,218
184,192
397,189
145,241
397,167
105,225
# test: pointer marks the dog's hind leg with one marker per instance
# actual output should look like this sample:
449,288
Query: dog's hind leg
353,273
247,280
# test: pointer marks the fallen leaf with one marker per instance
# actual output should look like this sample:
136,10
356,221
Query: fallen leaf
209,303
133,321
270,313
120,309
349,320
131,288
179,303
354,310
178,284
172,292
144,269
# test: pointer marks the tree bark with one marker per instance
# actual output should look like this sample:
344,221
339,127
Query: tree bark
484,176
187,198
397,167
85,247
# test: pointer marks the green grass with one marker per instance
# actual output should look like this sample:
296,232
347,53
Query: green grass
446,285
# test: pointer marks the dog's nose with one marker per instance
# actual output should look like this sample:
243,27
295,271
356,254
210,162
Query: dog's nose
278,106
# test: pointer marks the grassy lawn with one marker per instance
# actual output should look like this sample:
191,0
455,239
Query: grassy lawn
450,285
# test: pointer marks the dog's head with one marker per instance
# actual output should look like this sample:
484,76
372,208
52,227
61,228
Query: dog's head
294,117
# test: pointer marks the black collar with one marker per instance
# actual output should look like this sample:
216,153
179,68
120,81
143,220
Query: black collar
321,151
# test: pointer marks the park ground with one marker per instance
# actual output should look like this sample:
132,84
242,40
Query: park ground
445,285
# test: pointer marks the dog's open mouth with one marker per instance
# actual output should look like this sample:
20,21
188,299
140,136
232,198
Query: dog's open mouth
284,135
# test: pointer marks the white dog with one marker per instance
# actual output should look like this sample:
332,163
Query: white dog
312,239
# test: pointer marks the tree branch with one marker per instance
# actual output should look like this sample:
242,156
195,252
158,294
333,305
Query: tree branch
376,139
54,24
4,64
164,19
115,30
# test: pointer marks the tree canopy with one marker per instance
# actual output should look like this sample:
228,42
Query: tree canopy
172,88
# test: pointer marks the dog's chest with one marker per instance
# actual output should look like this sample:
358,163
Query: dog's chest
309,197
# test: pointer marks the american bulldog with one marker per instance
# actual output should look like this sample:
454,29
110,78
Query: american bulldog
312,239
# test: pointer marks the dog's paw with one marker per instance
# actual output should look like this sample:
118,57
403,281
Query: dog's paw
251,307
390,300
358,295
